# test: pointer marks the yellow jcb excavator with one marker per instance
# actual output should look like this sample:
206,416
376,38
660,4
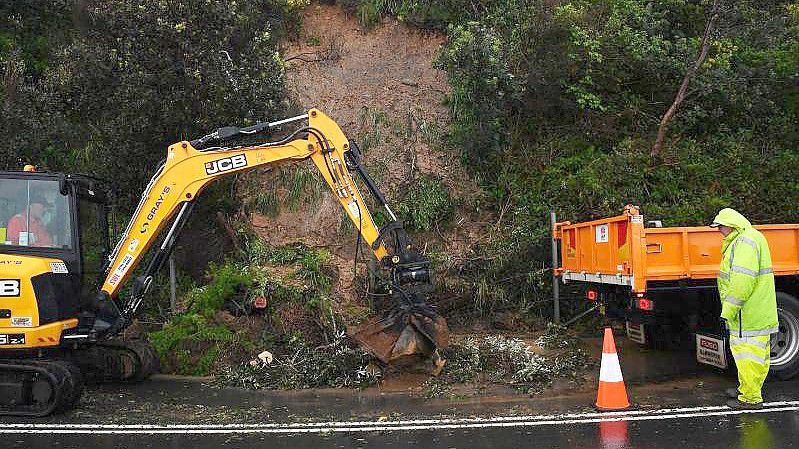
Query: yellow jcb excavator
61,312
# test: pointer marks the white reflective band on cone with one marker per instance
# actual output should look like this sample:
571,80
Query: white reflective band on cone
610,371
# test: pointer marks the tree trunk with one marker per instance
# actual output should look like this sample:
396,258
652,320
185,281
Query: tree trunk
223,222
689,76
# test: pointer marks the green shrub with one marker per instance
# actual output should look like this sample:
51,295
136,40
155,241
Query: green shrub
194,336
225,281
426,205
195,340
368,14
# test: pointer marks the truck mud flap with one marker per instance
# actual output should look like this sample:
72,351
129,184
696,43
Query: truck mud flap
711,350
635,332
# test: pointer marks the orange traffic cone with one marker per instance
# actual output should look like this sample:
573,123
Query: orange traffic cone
612,394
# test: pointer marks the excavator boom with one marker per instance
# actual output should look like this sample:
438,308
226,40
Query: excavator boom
54,330
409,325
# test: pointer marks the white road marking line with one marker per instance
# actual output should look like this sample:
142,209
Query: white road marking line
408,425
439,421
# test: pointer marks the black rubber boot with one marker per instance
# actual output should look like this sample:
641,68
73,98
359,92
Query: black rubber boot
735,404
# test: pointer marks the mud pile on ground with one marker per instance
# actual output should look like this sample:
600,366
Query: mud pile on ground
472,363
266,321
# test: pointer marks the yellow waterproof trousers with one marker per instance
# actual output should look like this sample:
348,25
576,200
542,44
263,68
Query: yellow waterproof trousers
752,356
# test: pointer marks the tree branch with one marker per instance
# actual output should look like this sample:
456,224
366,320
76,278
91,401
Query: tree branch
689,76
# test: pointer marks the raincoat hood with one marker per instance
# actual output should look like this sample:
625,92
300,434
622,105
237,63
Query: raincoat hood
731,218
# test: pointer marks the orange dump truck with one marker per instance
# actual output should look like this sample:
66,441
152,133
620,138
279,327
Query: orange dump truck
662,282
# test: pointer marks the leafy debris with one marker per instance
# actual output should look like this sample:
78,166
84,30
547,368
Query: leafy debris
511,361
339,364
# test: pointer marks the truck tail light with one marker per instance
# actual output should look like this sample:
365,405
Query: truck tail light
592,295
646,304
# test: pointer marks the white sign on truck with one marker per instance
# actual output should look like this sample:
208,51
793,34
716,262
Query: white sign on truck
711,351
602,233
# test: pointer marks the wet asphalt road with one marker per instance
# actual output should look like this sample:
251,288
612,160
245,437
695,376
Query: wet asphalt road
655,382
747,431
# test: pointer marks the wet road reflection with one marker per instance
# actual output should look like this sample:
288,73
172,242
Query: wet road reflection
755,433
613,435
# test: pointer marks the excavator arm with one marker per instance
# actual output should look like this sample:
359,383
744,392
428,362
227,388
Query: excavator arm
189,167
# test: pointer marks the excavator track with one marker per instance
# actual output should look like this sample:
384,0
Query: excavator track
41,387
119,360
38,387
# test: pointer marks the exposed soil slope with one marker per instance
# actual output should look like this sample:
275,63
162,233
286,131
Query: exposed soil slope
381,87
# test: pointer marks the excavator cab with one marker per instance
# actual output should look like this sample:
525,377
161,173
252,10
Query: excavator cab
53,239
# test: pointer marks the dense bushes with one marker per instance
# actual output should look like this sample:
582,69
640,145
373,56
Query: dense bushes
582,86
191,342
555,106
103,87
606,71
96,86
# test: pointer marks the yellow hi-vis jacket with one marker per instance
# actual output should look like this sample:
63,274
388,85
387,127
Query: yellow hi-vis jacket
746,279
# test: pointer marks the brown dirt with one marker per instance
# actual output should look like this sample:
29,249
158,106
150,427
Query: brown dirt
388,68
376,82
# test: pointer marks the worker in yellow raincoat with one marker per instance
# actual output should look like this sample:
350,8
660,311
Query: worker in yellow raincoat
748,304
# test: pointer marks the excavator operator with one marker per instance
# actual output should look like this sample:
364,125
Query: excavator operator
27,228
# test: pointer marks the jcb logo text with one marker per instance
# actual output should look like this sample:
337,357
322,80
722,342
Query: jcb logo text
225,164
9,287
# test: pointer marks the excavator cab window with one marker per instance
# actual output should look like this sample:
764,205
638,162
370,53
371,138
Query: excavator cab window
34,214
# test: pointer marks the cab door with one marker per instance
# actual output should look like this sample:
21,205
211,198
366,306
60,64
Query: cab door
93,242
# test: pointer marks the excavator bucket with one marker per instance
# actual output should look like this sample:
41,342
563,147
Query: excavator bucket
404,331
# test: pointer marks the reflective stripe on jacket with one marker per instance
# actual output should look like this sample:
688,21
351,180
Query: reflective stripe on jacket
746,279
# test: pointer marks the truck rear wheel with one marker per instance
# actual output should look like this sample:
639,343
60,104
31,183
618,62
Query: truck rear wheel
785,343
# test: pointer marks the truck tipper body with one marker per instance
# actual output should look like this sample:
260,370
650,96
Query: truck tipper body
662,281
